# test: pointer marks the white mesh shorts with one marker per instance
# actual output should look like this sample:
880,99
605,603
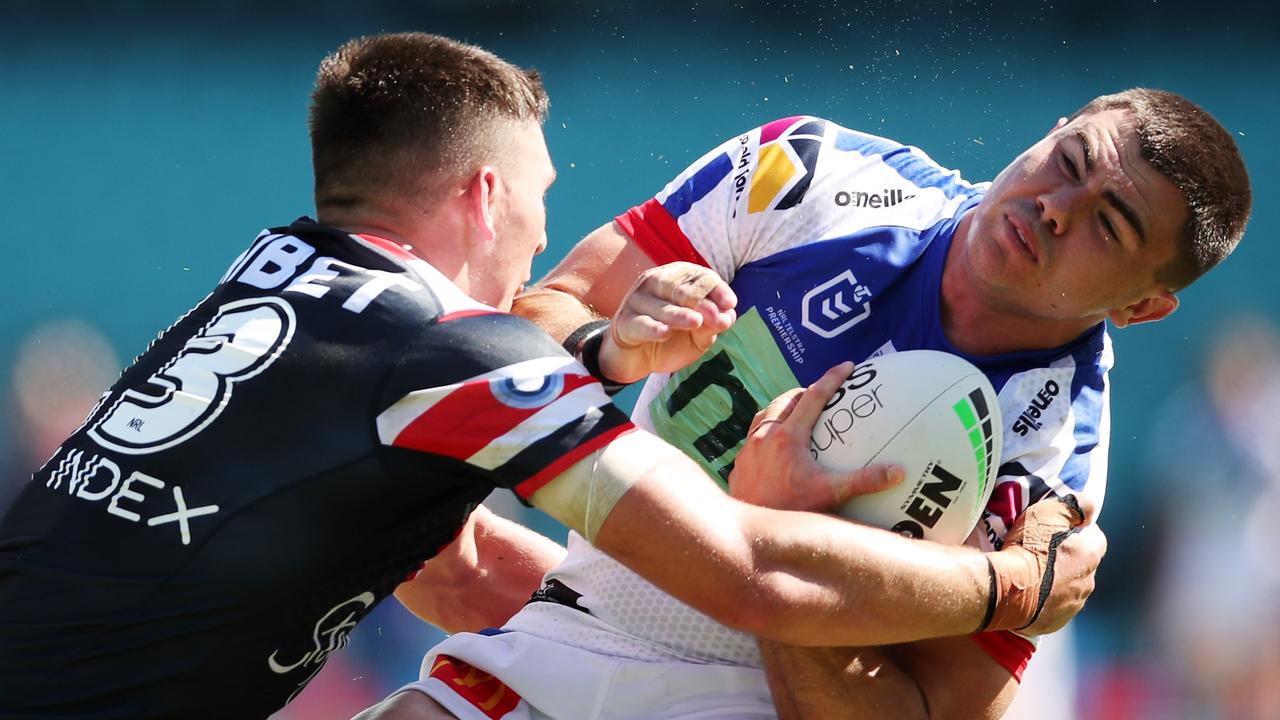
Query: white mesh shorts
517,676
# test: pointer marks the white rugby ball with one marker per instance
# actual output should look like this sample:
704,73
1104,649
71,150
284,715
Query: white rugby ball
937,416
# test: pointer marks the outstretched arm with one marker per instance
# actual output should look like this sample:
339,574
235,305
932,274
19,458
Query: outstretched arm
809,579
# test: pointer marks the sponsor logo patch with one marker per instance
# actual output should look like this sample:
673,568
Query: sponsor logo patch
786,165
332,632
883,199
1029,419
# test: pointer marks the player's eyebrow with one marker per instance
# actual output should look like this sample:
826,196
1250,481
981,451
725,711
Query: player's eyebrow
1116,201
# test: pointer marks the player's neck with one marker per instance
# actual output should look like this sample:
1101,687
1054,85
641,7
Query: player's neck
977,323
433,238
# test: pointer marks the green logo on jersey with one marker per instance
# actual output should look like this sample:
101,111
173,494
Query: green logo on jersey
706,409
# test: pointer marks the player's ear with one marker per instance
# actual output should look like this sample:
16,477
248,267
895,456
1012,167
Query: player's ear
1156,306
482,202
1057,126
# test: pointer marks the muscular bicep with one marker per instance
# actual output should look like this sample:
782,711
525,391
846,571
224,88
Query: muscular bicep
651,508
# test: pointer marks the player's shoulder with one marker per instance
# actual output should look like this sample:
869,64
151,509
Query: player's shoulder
833,133
1088,356
473,342
852,175
325,272
1060,391
505,333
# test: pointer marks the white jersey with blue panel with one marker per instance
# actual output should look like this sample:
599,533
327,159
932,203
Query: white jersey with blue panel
834,242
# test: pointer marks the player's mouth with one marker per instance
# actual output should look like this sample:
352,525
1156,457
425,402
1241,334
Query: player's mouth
1022,237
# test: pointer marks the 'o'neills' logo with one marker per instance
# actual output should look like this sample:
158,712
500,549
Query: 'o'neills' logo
1030,417
855,198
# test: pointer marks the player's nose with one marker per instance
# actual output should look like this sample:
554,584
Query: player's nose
1054,209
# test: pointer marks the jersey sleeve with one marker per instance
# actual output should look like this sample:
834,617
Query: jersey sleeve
493,391
1056,437
713,213
791,182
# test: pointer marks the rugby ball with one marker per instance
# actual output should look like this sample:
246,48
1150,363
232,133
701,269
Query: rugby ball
937,416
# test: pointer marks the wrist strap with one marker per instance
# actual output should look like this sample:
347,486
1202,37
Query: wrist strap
992,599
584,344
573,343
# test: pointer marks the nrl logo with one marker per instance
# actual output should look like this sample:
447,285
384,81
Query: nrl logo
836,305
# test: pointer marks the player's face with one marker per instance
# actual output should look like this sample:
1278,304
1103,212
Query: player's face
520,213
1077,226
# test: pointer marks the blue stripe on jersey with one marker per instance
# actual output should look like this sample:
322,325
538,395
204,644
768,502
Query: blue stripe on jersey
1086,408
697,186
909,165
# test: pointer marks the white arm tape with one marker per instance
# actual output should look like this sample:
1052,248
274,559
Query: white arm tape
582,496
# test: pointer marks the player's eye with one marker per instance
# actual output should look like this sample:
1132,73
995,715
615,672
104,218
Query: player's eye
1108,229
1069,166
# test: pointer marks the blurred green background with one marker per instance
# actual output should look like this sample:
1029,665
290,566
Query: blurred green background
143,145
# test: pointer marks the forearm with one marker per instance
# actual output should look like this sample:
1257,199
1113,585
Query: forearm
483,578
957,678
941,679
832,683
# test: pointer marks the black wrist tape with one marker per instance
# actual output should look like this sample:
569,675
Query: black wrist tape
584,344
992,598
573,343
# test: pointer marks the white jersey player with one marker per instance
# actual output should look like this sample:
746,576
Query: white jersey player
834,243
841,246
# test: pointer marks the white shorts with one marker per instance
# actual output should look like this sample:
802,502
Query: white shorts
517,676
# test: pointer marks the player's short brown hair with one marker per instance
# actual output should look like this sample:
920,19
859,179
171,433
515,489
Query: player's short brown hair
1192,149
397,115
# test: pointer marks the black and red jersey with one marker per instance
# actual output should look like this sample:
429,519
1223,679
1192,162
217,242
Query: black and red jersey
272,466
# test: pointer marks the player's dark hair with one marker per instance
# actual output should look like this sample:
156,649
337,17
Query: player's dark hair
1192,149
399,114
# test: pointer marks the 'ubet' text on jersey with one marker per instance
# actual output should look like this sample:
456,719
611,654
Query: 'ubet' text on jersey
834,242
270,468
